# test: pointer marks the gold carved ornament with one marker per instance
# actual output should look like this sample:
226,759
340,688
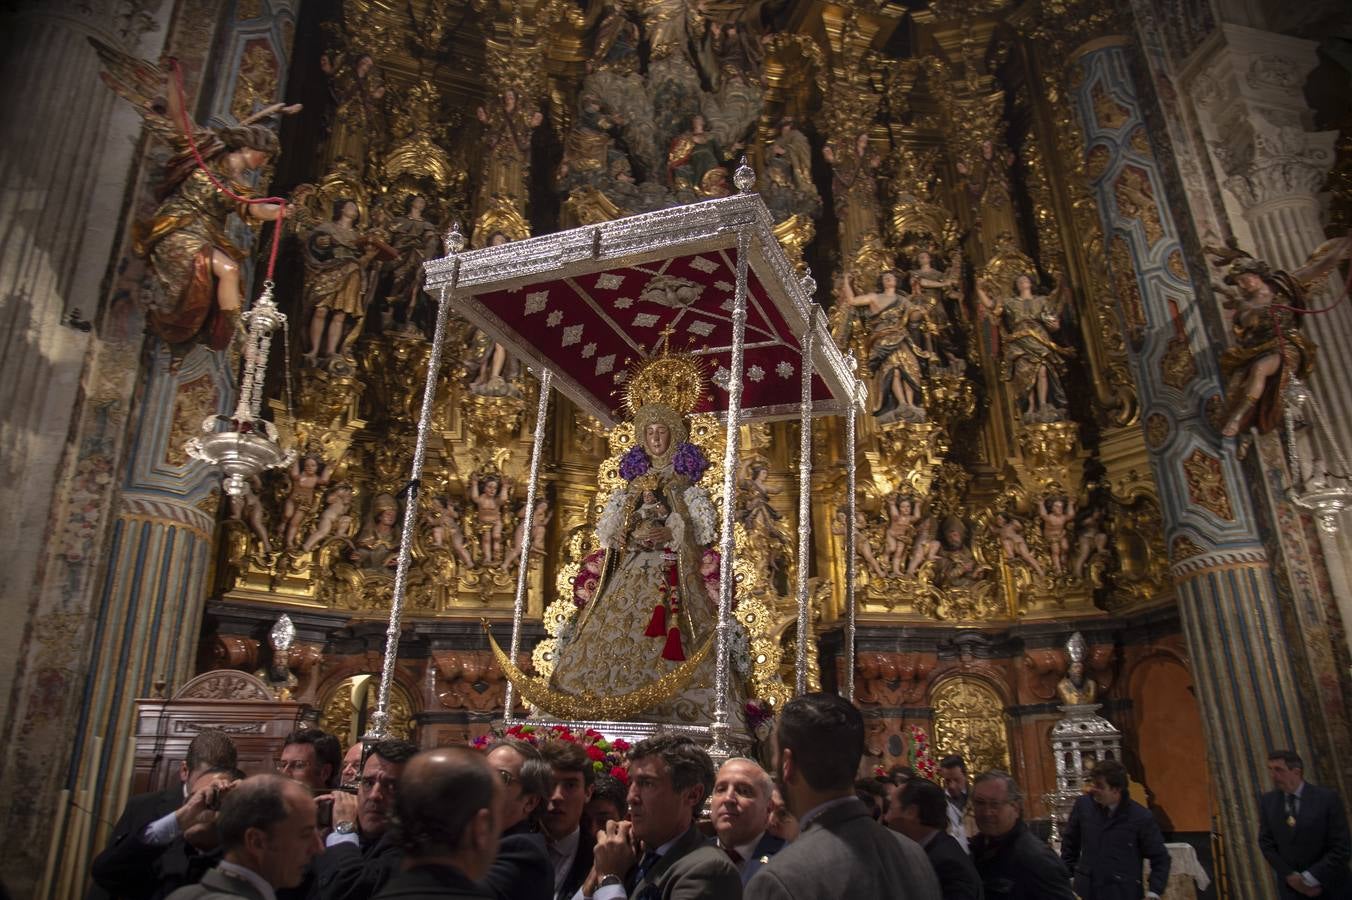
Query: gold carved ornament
338,716
577,707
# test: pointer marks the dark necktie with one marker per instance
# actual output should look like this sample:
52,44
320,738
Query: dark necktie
733,855
1292,807
645,866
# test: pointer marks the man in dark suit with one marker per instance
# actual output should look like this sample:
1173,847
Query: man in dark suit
841,851
360,854
1012,862
1303,832
741,813
522,870
448,804
669,777
922,815
147,857
1107,837
569,845
312,757
268,833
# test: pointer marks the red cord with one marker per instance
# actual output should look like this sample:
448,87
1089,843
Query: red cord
197,155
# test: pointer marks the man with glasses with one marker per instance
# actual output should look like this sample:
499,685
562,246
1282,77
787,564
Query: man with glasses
1012,862
311,757
360,855
522,870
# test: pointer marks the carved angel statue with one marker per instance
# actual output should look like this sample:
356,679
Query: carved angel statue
335,519
1009,531
863,548
1057,513
1091,541
444,530
1269,347
414,240
489,494
789,189
1031,359
892,354
903,512
308,476
248,508
854,185
754,509
538,526
186,242
930,287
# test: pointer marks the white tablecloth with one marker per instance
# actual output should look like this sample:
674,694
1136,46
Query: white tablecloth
1186,875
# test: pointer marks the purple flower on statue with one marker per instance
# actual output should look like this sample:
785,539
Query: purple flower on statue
688,460
635,463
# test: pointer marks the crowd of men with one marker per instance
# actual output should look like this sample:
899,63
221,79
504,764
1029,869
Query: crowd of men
521,822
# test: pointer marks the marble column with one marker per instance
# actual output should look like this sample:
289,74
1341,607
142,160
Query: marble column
1227,596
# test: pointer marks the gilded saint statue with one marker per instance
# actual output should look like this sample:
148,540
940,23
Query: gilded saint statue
337,257
854,187
1031,359
358,123
696,163
186,242
643,638
507,133
1269,348
892,354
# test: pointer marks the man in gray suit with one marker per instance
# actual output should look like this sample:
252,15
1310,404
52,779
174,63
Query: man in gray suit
669,777
268,830
841,851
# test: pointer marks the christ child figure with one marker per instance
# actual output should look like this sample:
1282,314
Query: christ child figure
902,514
1057,513
336,517
308,475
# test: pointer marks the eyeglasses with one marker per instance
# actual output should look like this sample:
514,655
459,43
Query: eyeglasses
293,765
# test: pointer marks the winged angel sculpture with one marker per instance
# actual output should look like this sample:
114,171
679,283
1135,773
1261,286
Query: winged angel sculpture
187,243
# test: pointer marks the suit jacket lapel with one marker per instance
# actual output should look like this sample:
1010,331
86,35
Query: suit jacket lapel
654,877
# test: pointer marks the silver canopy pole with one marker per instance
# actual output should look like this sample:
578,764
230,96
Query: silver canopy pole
805,498
850,537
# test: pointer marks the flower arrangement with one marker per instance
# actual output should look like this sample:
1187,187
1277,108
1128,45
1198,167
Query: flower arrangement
607,757
922,758
687,460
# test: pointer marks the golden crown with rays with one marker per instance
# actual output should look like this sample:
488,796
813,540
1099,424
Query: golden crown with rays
674,380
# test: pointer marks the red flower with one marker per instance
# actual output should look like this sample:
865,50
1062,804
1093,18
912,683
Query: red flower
621,774
595,753
620,745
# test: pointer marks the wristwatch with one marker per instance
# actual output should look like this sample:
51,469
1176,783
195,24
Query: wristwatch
345,828
607,880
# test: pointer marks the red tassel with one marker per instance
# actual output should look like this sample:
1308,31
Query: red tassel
671,575
673,650
657,625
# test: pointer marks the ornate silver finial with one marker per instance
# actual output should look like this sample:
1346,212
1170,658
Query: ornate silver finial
1312,486
1076,647
454,239
744,177
808,283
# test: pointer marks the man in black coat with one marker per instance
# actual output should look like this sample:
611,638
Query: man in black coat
360,854
522,870
922,815
572,780
1107,837
146,856
1012,862
447,804
1303,832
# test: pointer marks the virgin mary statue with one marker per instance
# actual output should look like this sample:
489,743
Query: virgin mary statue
641,644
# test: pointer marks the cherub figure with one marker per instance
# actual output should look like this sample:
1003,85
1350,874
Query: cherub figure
539,523
1009,530
248,508
488,493
902,515
1057,513
955,565
862,547
308,475
336,517
444,520
1091,541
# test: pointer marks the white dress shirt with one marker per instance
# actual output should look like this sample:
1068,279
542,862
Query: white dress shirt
562,853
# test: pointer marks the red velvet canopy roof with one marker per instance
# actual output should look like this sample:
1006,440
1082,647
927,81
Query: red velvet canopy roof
591,302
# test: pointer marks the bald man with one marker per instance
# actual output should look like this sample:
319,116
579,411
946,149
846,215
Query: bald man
740,806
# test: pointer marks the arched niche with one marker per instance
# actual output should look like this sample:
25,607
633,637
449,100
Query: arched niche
969,719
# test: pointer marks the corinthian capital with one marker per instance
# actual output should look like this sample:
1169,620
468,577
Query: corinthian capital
1262,161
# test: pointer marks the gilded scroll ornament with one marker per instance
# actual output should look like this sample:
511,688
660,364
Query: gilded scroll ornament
969,720
1206,483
